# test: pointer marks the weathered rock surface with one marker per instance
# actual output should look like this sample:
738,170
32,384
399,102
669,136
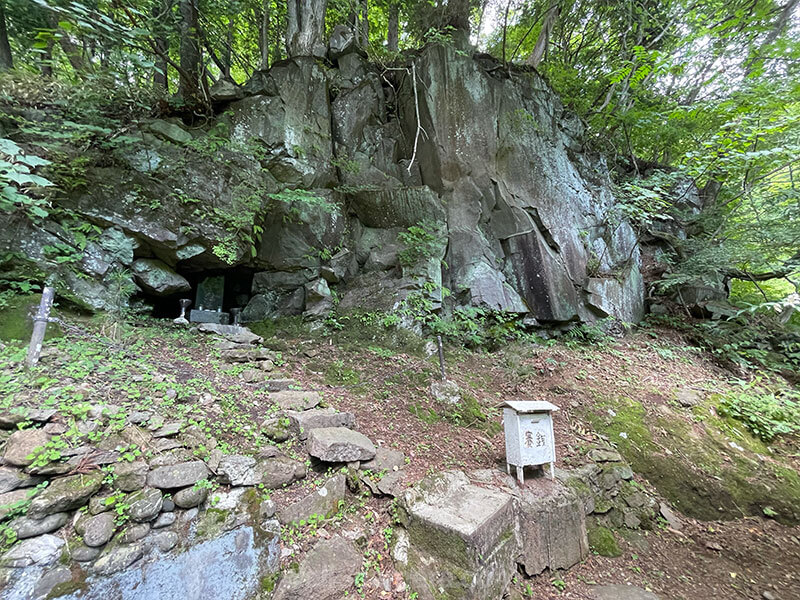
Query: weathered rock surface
190,497
301,423
466,535
519,206
552,529
25,527
65,493
621,592
324,501
178,476
385,459
157,278
296,400
280,471
339,444
99,529
42,550
131,476
21,446
145,504
326,573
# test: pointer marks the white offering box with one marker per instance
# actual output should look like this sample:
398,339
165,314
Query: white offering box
529,435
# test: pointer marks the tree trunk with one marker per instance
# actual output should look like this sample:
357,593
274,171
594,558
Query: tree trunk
458,15
190,51
393,33
6,60
263,37
543,40
305,27
364,25
228,54
70,49
161,74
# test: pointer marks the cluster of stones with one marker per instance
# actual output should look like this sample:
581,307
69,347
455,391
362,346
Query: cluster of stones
611,499
96,513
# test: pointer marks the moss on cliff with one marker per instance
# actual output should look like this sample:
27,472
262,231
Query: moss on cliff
698,466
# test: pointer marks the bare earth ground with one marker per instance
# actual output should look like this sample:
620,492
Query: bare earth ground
388,390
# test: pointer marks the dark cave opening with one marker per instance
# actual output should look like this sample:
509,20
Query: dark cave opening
234,288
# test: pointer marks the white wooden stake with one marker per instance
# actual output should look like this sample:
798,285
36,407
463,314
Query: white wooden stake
40,326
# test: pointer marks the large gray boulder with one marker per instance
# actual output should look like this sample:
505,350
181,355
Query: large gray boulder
339,445
290,117
529,218
157,278
326,573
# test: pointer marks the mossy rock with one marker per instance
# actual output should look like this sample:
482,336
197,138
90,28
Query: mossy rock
16,324
603,542
697,469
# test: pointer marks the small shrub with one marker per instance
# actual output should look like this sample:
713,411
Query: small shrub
421,242
766,414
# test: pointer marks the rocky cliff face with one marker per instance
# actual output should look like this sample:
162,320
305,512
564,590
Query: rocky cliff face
312,174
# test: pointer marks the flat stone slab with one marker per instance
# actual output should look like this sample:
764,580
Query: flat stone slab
621,592
325,502
296,400
65,493
326,572
177,476
339,444
302,422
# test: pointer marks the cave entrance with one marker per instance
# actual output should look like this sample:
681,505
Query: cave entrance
213,289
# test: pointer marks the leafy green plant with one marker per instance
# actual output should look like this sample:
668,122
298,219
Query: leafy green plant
767,414
19,183
421,242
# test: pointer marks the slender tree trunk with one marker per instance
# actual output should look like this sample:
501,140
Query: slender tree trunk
70,49
46,63
540,49
190,50
228,53
305,27
161,73
6,60
393,32
263,41
364,24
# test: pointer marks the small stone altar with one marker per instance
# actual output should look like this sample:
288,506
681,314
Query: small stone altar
210,294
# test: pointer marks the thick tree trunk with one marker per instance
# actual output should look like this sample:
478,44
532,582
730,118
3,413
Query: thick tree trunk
263,37
305,27
6,60
458,15
190,51
393,33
